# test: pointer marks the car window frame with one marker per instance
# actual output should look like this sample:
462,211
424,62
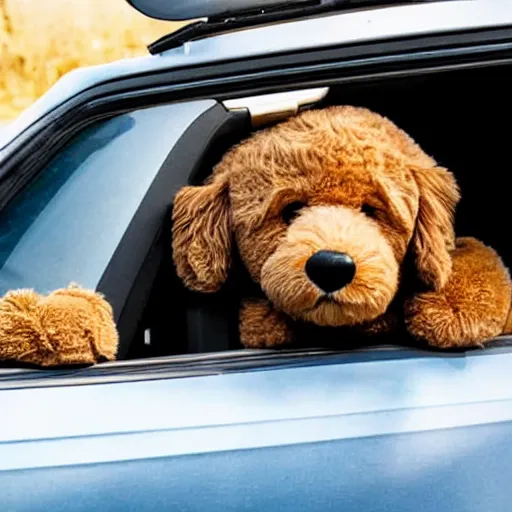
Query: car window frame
243,77
107,105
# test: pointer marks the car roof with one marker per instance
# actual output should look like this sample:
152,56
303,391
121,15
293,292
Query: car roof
350,27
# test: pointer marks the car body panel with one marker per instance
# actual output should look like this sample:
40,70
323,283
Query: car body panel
432,471
370,434
338,29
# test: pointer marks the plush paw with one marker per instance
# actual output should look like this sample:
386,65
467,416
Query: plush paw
434,319
261,326
471,308
69,326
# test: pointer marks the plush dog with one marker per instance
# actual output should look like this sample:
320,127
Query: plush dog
70,326
343,222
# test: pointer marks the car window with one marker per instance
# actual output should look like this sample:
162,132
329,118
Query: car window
67,223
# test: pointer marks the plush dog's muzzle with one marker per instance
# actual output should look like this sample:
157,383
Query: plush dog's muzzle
334,267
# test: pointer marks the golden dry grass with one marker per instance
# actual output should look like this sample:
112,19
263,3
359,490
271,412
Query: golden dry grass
40,40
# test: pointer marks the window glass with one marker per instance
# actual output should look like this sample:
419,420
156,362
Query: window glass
67,223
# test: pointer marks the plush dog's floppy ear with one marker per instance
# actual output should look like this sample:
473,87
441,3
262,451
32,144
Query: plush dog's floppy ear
434,234
202,234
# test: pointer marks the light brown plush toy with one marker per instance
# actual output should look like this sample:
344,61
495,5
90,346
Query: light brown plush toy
344,222
70,326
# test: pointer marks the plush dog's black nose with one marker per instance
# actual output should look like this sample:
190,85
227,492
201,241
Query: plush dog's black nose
330,270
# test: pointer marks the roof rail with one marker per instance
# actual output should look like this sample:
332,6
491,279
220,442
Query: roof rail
222,24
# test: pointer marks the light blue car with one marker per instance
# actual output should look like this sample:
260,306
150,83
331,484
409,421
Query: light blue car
187,420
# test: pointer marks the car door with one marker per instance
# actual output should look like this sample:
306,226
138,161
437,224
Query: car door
372,430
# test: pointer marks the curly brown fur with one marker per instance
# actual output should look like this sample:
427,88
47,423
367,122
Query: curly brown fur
68,326
341,179
472,307
201,235
263,326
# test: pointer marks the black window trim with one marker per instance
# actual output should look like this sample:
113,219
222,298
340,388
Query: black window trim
128,278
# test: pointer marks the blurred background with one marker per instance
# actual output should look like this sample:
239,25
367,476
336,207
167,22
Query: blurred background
40,40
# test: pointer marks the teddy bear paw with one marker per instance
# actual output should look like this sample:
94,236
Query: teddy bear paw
434,319
261,326
68,327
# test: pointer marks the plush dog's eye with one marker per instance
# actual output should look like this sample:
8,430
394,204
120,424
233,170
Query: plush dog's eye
369,211
291,211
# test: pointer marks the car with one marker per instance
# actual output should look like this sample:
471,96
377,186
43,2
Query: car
186,419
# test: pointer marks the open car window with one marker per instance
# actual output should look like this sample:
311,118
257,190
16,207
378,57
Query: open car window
97,213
